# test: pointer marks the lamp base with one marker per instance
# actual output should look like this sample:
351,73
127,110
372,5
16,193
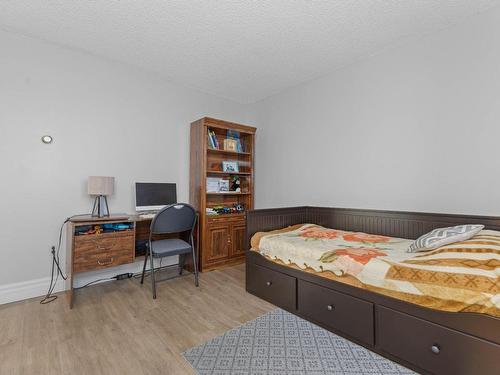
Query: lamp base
100,208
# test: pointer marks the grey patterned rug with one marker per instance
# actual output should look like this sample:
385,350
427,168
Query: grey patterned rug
282,343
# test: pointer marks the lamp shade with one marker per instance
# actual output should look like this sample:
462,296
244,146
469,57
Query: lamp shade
100,185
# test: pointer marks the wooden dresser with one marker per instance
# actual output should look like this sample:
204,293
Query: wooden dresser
223,235
93,245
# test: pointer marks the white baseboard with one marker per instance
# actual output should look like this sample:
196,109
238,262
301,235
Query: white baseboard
38,287
27,289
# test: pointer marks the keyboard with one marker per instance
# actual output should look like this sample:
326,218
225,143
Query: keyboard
147,216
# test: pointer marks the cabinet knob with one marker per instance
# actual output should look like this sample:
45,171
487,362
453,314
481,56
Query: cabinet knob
268,283
435,349
105,263
330,307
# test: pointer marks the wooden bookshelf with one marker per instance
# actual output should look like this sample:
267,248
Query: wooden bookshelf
222,239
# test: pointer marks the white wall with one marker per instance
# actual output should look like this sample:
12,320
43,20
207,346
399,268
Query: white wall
413,128
106,119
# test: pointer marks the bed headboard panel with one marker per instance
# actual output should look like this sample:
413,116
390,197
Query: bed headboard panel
389,223
392,223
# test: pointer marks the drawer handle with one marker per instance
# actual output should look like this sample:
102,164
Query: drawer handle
330,307
268,283
110,261
435,349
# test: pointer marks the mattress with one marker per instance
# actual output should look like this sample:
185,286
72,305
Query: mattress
460,277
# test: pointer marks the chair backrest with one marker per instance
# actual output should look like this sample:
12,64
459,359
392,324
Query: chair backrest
175,218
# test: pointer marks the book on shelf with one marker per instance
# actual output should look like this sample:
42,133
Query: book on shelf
216,141
210,140
213,142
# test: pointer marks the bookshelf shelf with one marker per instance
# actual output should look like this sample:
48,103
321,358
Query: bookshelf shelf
222,236
227,193
230,173
217,151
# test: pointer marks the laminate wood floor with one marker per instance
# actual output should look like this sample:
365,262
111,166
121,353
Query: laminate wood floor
117,328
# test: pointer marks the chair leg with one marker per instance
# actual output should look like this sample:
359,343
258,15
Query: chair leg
182,260
144,267
195,265
153,283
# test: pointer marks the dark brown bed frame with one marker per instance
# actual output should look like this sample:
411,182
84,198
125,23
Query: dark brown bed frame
425,340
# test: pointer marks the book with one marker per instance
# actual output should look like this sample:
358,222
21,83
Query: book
210,140
216,142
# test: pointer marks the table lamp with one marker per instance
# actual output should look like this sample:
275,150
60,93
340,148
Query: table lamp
100,187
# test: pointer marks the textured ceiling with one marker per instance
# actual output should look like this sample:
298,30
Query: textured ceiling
239,49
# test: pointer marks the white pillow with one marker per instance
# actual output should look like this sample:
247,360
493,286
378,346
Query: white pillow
444,236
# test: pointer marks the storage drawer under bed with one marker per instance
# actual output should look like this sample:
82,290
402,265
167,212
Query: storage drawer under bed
273,286
336,310
435,348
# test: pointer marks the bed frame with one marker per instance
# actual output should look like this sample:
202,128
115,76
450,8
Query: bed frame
425,340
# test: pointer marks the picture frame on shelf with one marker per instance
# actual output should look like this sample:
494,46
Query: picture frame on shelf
223,185
230,166
213,185
230,145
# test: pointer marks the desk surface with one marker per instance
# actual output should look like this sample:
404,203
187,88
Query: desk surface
88,219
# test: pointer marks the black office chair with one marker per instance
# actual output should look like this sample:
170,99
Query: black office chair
176,218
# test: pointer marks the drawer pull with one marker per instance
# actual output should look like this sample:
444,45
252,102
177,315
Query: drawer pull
435,349
268,283
110,261
330,307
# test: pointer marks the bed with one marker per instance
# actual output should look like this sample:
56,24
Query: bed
418,313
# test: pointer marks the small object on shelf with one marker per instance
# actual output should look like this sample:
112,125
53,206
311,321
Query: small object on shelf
218,209
236,184
230,166
213,185
230,145
235,135
223,185
210,211
240,207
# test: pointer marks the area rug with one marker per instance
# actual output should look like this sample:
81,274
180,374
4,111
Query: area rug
282,343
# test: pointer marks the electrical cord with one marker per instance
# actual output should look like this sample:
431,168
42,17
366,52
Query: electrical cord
56,267
96,281
138,275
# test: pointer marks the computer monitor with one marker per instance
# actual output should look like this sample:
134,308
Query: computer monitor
151,196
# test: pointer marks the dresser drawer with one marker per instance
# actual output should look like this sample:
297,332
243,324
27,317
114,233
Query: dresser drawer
103,239
273,286
107,251
434,348
336,310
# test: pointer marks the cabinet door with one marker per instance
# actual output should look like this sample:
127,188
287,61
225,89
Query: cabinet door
238,237
218,242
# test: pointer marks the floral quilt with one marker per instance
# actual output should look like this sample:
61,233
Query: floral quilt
463,276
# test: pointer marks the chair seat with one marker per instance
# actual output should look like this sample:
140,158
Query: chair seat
171,246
